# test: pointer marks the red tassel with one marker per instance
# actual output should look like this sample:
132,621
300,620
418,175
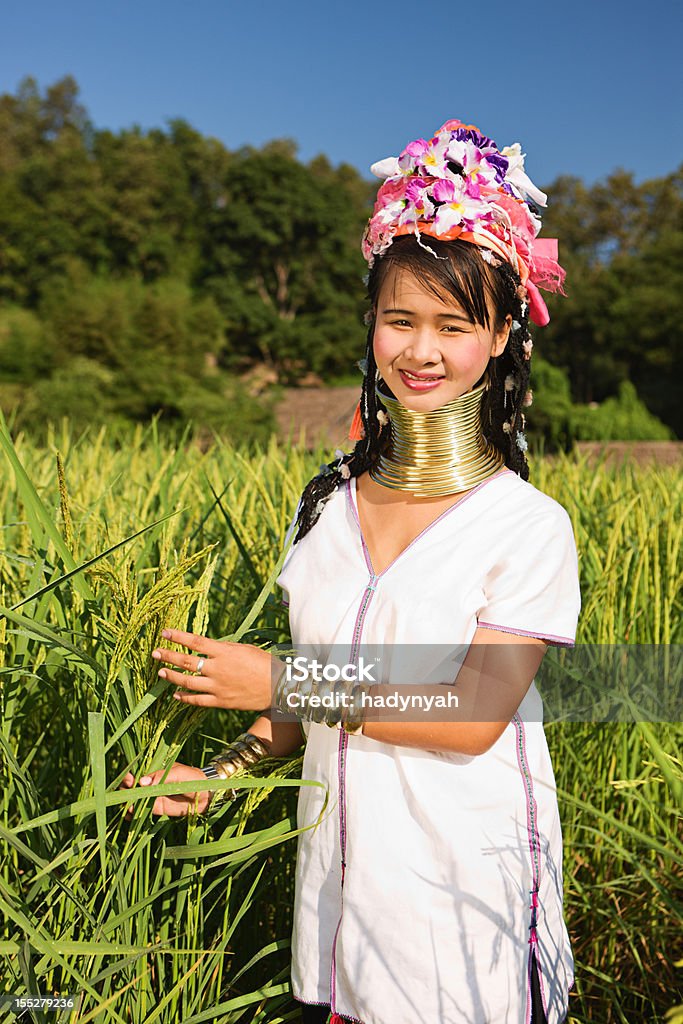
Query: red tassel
357,431
335,1018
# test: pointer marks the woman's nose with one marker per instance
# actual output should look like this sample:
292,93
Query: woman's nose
424,347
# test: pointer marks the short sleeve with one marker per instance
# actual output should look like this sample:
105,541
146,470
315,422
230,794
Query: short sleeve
533,588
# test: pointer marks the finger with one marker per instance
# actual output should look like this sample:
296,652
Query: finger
200,700
194,641
128,781
170,807
201,683
189,662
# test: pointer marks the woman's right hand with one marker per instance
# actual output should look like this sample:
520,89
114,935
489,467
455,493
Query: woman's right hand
176,806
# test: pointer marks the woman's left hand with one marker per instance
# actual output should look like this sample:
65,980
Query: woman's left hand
221,674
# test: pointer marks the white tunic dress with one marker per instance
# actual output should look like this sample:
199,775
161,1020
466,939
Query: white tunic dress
432,876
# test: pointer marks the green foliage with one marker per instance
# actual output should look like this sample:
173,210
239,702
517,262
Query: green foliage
623,418
622,246
123,350
549,416
82,389
282,261
152,251
556,422
24,353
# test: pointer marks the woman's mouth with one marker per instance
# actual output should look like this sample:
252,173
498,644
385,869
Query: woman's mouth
419,383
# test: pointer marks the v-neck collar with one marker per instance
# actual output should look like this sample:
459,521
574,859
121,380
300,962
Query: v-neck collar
352,498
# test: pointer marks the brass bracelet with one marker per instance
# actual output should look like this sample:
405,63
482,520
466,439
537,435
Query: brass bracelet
245,751
353,717
339,716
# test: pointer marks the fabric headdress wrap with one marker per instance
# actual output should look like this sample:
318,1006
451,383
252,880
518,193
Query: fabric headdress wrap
458,184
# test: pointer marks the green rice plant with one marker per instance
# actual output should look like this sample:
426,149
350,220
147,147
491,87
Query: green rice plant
139,923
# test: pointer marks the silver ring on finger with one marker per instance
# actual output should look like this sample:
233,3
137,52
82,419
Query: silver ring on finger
200,666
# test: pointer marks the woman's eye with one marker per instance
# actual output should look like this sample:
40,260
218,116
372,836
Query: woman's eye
452,329
401,323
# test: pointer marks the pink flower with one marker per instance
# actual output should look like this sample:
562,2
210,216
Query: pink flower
417,147
472,189
415,188
460,209
443,190
412,155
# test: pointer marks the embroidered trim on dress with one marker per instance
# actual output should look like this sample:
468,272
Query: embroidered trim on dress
535,856
368,594
559,641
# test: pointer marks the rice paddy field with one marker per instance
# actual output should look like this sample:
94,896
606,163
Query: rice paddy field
102,543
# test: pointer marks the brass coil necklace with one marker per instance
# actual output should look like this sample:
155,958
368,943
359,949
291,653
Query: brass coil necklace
439,452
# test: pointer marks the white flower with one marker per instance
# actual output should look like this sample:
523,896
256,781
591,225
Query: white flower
390,213
517,177
516,325
510,382
320,506
338,453
382,417
528,399
507,427
440,150
461,207
387,168
521,441
362,365
345,471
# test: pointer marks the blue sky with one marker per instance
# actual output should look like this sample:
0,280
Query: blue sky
585,87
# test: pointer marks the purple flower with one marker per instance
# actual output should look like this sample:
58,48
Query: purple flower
499,162
479,140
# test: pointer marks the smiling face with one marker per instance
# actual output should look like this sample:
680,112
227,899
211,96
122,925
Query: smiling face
421,334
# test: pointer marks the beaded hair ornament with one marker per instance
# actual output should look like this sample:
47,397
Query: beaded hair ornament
458,184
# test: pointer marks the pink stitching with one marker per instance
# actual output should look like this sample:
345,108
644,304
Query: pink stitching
535,850
354,510
368,594
563,641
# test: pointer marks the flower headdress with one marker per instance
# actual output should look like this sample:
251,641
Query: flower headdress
458,184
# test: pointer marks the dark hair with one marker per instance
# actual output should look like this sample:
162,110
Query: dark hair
462,273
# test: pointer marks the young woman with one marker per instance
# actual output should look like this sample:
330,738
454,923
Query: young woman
433,891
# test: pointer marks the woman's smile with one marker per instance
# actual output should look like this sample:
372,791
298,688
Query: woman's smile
419,382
